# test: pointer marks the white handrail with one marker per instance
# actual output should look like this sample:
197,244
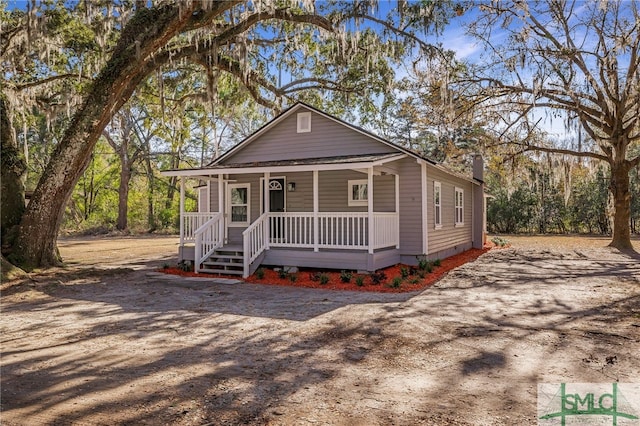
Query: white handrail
255,240
191,221
207,239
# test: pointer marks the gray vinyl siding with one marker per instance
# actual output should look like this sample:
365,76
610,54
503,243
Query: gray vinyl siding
333,192
327,138
449,237
213,197
410,207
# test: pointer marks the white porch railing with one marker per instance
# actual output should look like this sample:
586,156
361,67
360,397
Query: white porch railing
385,226
208,237
190,223
254,241
339,230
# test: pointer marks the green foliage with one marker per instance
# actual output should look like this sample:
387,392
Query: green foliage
499,241
293,277
323,278
260,273
282,273
377,277
345,276
359,280
185,265
396,282
404,272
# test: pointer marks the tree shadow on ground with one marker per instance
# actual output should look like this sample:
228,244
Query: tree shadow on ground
145,351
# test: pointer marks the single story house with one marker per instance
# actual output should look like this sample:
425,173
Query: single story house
310,190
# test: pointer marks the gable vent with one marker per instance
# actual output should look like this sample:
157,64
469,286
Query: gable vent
304,122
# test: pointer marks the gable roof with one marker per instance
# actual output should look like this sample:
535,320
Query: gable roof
288,112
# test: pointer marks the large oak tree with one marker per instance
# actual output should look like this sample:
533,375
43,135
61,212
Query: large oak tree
573,60
321,47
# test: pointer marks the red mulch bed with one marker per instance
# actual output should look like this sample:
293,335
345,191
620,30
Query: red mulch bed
305,277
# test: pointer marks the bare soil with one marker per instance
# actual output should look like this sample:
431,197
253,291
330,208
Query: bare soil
103,342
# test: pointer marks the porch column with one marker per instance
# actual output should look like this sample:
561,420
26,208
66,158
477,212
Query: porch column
397,211
316,204
181,210
370,208
221,206
267,201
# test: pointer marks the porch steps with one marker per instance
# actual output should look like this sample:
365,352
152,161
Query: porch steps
227,261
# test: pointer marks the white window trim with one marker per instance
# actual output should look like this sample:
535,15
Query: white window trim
230,221
437,206
459,207
300,120
357,203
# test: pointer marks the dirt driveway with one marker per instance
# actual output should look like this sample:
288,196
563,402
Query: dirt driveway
102,342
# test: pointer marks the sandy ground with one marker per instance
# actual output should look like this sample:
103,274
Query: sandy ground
102,342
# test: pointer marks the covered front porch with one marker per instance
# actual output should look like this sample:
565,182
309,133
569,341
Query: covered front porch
360,232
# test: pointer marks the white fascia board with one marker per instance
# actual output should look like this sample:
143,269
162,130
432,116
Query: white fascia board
279,169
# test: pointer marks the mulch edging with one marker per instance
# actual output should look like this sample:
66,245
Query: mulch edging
308,278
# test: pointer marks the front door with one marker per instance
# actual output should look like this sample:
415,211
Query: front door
276,195
277,205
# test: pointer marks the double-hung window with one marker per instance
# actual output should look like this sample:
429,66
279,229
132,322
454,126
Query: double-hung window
459,203
437,204
358,192
239,197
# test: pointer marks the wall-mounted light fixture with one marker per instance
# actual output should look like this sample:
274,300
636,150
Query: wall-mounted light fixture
291,186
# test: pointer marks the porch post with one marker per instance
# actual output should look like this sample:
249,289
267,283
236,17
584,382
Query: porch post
181,210
316,231
221,206
397,211
266,195
370,208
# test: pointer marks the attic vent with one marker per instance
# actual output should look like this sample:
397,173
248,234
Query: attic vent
304,122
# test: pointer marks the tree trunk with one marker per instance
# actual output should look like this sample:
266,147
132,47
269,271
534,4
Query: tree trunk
129,64
123,195
12,173
622,206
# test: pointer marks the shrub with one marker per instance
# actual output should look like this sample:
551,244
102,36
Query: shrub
324,278
185,265
282,273
422,273
345,276
359,280
165,266
425,264
397,282
314,276
377,277
499,241
404,272
437,262
293,277
414,280
260,273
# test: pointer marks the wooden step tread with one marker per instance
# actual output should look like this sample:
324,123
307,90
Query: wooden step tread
218,263
222,271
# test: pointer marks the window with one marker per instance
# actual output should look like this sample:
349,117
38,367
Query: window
304,122
239,204
358,195
459,206
437,204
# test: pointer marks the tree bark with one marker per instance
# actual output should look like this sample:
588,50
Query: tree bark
12,174
147,30
123,196
622,203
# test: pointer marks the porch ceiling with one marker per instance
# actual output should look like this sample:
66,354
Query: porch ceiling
298,165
